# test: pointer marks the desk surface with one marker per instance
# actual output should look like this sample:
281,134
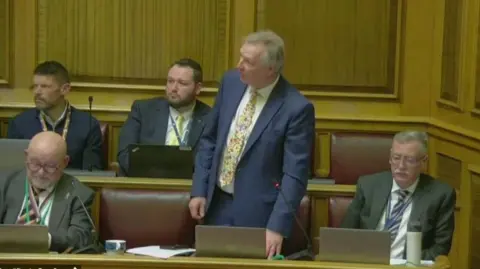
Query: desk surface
63,261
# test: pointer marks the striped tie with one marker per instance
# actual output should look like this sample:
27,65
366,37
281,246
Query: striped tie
395,217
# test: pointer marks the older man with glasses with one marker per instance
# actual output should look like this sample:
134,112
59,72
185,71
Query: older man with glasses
42,194
405,198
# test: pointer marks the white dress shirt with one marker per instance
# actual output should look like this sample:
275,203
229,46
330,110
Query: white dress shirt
398,246
187,117
262,98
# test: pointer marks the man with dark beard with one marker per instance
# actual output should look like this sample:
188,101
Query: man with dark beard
177,119
53,112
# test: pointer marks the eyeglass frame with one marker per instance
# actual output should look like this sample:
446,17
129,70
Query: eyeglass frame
49,169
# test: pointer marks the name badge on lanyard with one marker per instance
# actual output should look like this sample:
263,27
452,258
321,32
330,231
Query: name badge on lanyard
181,141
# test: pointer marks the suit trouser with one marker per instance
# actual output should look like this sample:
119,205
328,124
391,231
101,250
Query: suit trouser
220,209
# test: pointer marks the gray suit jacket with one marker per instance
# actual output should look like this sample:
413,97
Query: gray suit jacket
433,207
68,225
147,124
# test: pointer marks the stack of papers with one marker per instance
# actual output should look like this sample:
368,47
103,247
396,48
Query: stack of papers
403,262
158,252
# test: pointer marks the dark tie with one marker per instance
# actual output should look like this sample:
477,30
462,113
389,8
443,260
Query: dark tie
395,217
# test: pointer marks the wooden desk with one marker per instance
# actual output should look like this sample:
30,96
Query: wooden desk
50,261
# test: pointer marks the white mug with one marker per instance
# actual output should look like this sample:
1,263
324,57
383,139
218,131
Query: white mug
114,247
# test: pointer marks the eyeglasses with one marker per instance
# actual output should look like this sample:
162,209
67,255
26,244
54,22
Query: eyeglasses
409,160
48,168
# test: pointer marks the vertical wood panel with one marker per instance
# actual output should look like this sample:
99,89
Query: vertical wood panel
4,42
449,170
343,45
133,42
451,51
475,218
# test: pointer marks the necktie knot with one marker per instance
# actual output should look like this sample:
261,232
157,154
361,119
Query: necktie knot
402,194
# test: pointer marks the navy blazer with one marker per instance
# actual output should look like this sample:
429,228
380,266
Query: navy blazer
278,150
147,123
84,145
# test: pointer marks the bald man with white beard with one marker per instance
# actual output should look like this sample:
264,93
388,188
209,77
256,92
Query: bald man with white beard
41,194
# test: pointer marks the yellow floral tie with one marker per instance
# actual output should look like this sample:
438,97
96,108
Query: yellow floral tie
237,141
173,141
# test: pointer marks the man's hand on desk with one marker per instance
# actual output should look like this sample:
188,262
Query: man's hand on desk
274,243
33,219
197,207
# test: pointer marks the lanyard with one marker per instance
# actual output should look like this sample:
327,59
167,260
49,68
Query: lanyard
38,211
65,127
182,142
390,220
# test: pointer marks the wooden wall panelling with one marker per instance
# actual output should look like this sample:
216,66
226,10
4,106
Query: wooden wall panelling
322,154
451,57
344,47
474,221
5,40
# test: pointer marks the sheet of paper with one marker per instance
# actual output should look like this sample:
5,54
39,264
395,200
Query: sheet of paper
157,252
403,262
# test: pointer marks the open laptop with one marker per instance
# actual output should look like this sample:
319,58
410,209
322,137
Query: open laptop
23,238
160,161
230,242
354,245
13,153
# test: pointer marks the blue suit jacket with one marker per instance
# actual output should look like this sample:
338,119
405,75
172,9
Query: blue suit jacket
84,145
278,150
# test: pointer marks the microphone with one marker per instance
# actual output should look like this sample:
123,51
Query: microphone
96,247
90,102
308,252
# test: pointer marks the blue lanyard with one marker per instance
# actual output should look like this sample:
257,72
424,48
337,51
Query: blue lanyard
182,142
389,220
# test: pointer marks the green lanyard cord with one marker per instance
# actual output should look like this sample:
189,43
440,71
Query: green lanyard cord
27,205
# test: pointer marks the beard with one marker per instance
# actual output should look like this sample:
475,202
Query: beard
179,103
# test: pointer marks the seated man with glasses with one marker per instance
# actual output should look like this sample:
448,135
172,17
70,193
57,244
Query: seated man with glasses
42,194
406,199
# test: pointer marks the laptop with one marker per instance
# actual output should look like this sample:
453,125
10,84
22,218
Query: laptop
230,242
23,238
354,245
160,161
13,153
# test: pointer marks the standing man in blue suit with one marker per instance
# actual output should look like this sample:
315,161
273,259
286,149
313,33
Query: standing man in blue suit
260,135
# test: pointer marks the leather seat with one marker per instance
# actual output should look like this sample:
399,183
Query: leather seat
146,217
337,208
358,154
155,217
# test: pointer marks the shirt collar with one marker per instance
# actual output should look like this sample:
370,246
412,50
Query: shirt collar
50,121
410,189
265,91
187,114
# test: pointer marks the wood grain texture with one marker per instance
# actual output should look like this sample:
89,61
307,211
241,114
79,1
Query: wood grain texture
5,40
132,42
343,45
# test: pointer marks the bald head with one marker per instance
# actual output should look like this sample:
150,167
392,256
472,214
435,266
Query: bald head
46,159
48,143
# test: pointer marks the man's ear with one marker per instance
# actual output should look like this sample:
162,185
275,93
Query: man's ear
198,88
66,160
65,88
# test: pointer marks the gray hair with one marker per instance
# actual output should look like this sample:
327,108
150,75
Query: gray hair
274,54
409,136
